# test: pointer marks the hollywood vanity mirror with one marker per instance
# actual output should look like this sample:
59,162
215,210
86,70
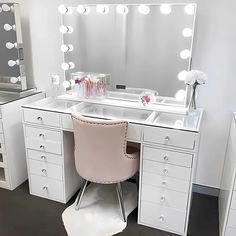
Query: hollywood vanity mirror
142,47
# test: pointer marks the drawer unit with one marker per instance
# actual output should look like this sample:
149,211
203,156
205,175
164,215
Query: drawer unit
232,218
167,170
45,169
170,137
45,157
162,217
165,182
134,132
165,156
164,197
41,117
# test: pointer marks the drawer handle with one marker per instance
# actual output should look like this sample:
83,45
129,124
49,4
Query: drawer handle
163,199
43,158
164,183
162,218
44,171
39,118
45,187
41,135
166,158
41,147
167,139
165,171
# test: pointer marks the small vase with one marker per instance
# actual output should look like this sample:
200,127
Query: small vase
192,104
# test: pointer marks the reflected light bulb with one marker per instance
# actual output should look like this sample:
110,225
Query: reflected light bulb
121,9
102,9
182,75
185,54
12,63
65,10
180,95
66,29
8,27
67,48
83,10
165,9
10,45
66,66
6,8
14,80
187,32
189,9
143,9
66,84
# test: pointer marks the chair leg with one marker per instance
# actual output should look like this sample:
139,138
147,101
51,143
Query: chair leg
80,195
121,200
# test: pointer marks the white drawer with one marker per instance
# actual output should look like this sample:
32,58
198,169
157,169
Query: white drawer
162,217
43,134
67,122
134,132
164,169
170,137
44,146
42,117
1,126
164,197
165,182
45,187
230,231
169,157
232,218
45,157
45,169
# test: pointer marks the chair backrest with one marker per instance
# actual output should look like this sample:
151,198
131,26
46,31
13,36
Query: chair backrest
100,148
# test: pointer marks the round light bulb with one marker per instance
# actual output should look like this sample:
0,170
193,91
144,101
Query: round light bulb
6,8
121,9
72,65
187,32
165,9
189,9
185,54
66,84
102,9
66,66
67,48
10,45
8,27
65,10
83,9
182,75
66,29
180,95
12,63
143,9
14,80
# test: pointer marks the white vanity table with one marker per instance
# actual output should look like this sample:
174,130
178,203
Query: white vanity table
168,142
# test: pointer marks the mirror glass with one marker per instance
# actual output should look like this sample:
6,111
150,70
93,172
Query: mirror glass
140,46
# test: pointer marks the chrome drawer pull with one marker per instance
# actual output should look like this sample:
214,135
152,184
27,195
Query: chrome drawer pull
39,118
41,147
41,135
45,187
43,158
166,158
44,171
163,199
162,218
165,171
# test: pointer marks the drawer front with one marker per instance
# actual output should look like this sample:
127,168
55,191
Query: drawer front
134,132
232,218
45,169
67,122
43,134
168,157
42,117
164,197
45,157
45,187
43,146
170,137
230,231
165,182
1,126
162,217
167,170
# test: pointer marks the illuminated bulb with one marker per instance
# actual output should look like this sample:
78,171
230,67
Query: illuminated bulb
8,27
189,9
102,9
180,95
67,66
185,54
10,45
66,84
182,75
66,29
143,9
121,9
83,10
67,48
165,9
187,32
65,10
14,80
12,63
5,7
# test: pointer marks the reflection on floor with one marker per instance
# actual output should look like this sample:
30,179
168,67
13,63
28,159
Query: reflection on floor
22,214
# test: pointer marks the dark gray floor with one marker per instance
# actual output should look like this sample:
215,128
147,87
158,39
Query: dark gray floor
24,215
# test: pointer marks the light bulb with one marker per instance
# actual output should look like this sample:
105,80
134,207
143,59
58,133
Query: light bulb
66,66
65,10
6,8
66,84
185,54
66,29
83,10
182,75
180,95
102,9
14,80
12,63
189,9
67,48
10,45
8,27
121,9
143,9
165,9
187,32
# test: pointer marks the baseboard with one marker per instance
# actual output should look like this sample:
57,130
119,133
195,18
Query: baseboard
206,190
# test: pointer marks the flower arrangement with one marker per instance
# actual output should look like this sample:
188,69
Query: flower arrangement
195,78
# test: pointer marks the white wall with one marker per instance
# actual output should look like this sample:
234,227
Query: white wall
213,53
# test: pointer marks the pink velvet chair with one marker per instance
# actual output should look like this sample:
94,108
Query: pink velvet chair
101,154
